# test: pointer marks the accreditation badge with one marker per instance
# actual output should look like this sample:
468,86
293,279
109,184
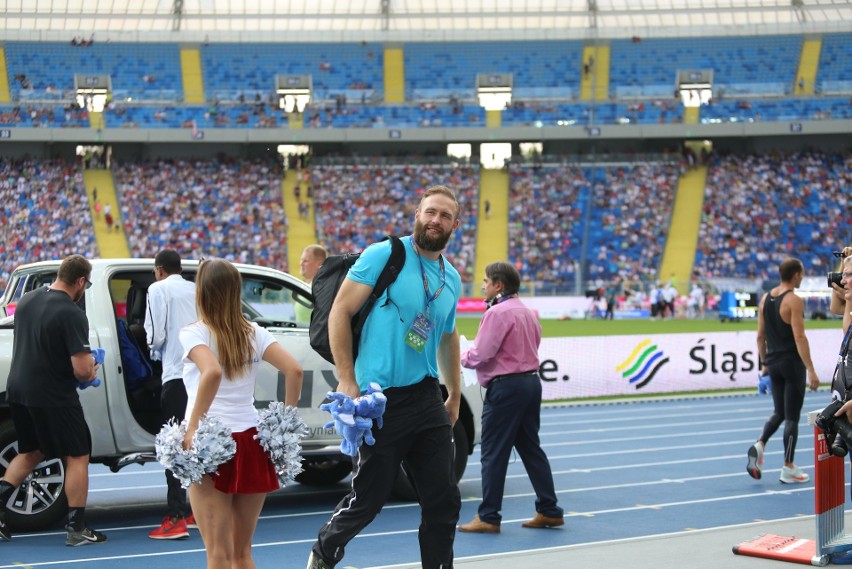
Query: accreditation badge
418,333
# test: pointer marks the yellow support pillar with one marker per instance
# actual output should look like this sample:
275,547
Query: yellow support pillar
492,232
193,78
111,240
301,231
295,120
96,120
394,71
5,93
808,67
691,115
493,119
679,253
594,78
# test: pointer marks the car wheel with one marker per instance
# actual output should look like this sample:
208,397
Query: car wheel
40,500
403,489
323,471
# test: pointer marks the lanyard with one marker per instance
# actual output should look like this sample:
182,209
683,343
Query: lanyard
430,299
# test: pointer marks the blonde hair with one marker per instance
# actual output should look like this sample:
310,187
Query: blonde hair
217,296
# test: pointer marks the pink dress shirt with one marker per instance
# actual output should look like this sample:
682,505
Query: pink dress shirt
507,342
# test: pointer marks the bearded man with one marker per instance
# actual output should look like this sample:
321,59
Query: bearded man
408,337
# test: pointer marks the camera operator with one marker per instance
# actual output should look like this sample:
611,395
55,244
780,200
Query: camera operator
841,384
841,300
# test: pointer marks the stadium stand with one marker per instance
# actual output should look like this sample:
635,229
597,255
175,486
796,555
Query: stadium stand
229,208
540,69
835,64
337,69
44,213
548,207
759,209
631,208
753,81
139,71
741,65
358,204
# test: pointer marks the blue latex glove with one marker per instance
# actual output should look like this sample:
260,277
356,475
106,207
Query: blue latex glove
764,385
98,354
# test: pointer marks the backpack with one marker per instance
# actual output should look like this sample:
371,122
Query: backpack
327,282
136,367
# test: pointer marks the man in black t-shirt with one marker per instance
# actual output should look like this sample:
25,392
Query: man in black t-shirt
51,354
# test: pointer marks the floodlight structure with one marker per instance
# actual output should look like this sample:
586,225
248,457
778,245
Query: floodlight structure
494,90
92,92
294,92
695,87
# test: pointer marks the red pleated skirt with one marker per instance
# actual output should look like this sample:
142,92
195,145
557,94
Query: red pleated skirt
249,471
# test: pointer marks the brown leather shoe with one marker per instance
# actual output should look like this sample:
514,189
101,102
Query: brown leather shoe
478,526
540,521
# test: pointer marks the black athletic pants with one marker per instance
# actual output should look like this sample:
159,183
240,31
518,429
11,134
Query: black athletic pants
788,394
416,428
173,406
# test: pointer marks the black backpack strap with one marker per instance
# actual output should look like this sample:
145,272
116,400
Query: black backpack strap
386,278
392,268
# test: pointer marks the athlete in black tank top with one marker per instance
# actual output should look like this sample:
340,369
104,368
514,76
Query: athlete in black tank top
784,350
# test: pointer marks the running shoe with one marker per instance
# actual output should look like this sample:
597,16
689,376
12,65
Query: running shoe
190,522
85,537
793,475
755,461
5,533
170,529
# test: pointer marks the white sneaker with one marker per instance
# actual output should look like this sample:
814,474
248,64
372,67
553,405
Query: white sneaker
755,460
793,475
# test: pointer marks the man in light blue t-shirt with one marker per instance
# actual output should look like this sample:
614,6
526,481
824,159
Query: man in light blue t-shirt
409,336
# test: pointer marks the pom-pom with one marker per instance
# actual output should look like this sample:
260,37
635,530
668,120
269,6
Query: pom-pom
280,431
212,445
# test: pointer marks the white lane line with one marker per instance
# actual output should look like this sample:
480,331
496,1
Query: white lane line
385,534
526,552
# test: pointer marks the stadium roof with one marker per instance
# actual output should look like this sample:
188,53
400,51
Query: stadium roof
411,20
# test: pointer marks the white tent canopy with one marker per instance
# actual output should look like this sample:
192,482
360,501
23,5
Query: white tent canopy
411,20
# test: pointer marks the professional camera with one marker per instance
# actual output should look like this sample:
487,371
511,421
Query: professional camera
834,278
838,431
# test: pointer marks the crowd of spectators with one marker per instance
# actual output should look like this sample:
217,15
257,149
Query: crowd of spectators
44,213
204,208
565,221
629,225
357,205
547,205
760,209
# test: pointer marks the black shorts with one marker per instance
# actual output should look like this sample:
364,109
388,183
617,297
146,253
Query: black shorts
55,431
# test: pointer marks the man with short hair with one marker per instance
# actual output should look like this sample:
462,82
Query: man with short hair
51,353
409,335
171,306
313,256
505,357
784,350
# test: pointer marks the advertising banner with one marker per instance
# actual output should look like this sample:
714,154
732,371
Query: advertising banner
663,363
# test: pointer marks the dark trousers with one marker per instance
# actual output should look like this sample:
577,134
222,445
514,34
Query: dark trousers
788,395
173,406
417,429
511,418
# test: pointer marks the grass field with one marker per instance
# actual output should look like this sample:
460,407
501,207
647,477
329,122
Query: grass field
566,328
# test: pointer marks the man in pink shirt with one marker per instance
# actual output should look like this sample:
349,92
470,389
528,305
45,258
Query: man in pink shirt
505,357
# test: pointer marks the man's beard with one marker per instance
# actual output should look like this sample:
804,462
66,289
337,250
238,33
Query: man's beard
429,242
79,296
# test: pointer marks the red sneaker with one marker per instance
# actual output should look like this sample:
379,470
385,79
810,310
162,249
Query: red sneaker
190,522
170,529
